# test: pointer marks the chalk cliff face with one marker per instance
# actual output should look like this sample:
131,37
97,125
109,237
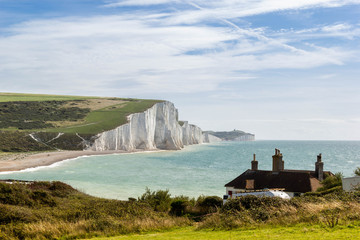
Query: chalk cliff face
156,128
208,138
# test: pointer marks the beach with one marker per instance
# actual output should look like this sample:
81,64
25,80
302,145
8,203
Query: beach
21,161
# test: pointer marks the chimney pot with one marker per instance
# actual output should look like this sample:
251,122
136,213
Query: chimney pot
319,168
278,163
254,164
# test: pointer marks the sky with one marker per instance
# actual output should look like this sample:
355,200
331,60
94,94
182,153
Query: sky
277,68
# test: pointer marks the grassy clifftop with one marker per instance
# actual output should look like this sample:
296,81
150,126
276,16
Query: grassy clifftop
21,114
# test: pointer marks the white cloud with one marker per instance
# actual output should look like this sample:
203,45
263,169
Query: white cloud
138,2
108,50
229,9
183,53
337,30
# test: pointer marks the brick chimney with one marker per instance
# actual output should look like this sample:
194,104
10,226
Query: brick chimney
319,168
278,163
254,164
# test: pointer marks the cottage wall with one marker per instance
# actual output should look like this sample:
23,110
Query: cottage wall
351,183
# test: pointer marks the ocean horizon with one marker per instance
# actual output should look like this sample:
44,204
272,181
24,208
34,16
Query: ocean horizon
193,171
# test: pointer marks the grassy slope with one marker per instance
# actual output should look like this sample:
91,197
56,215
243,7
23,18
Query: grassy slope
11,97
51,210
96,121
107,118
300,232
54,210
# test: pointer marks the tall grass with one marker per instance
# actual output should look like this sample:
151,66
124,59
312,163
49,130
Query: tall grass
328,211
54,210
44,210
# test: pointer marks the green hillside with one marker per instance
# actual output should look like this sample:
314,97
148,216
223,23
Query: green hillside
11,97
48,115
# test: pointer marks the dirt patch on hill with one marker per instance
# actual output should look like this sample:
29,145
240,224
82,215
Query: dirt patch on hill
96,104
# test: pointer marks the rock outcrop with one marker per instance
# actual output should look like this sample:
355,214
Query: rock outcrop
208,138
156,128
235,135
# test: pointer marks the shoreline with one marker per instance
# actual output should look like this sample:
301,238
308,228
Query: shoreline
21,161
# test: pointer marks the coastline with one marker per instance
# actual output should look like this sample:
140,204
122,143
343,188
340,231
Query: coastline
22,161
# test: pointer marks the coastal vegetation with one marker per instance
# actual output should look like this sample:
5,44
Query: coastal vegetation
357,171
54,210
13,97
45,116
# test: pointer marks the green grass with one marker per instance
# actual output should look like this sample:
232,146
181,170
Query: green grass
46,115
95,122
108,118
300,232
11,97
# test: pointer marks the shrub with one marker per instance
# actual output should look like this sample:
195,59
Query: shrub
331,182
209,204
159,200
357,171
15,194
178,207
331,216
34,115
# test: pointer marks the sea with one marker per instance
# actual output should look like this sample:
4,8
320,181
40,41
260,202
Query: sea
194,171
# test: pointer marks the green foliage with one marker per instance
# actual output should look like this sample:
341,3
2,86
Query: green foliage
178,207
357,171
27,112
328,211
259,209
22,142
331,216
54,210
253,202
108,118
209,204
34,115
15,97
323,192
159,200
19,142
331,182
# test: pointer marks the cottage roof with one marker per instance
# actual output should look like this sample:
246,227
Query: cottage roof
291,180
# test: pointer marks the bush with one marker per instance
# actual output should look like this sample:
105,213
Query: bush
178,207
54,210
357,171
159,200
15,194
331,182
331,216
34,115
209,204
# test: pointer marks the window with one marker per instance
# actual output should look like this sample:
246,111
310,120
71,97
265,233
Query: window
250,184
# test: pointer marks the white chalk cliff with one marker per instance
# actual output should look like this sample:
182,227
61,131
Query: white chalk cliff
155,128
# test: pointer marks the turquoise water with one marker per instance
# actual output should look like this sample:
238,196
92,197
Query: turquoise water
196,170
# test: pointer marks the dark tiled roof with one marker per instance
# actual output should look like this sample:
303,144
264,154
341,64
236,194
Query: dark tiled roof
290,180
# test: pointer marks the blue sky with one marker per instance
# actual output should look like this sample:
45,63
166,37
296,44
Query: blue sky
279,69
